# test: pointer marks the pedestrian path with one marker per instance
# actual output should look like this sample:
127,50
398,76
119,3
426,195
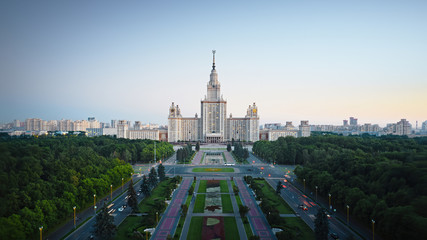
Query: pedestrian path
229,158
258,222
196,160
170,218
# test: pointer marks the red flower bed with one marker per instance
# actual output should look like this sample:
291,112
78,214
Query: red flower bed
213,228
212,183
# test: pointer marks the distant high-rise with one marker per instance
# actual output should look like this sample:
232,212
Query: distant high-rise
345,123
353,121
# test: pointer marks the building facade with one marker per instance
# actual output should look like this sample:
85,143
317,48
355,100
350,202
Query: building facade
213,126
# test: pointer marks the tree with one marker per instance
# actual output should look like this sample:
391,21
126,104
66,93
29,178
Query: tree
254,237
321,225
197,146
161,172
191,190
145,187
133,199
152,177
243,210
228,147
104,225
184,209
278,187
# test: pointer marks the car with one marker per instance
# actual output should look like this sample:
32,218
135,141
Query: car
334,236
301,206
120,209
305,208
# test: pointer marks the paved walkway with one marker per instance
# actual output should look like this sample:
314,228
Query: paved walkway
196,160
229,158
257,219
170,219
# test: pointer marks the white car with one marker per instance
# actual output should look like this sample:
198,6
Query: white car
120,209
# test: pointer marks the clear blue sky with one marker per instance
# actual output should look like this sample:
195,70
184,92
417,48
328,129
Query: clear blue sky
321,61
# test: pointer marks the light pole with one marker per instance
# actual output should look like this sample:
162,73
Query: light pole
122,184
373,229
330,207
94,200
74,208
348,208
94,209
316,193
157,217
111,192
304,184
41,229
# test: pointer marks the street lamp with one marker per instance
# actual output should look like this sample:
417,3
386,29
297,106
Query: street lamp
348,208
304,184
373,229
316,193
111,190
41,229
330,207
122,184
94,209
74,208
94,200
157,217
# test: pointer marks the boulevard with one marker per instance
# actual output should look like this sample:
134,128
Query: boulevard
256,169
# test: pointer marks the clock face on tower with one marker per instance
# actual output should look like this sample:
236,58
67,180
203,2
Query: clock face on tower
254,110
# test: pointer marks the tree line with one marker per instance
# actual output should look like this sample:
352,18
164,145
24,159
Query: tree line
379,178
184,154
43,178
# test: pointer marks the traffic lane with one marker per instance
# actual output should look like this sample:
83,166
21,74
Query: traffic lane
335,225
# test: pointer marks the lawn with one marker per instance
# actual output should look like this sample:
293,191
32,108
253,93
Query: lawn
127,227
199,205
195,230
230,228
158,192
202,186
213,170
226,203
247,226
179,228
276,200
297,226
224,186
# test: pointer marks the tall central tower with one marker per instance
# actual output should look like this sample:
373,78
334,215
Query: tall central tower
213,110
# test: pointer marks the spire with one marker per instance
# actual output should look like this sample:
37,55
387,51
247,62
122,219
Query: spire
213,65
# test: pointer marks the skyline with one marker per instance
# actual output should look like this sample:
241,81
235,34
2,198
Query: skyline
322,62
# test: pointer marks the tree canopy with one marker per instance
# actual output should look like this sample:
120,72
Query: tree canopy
43,178
381,178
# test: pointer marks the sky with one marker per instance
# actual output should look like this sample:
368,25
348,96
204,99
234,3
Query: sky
322,61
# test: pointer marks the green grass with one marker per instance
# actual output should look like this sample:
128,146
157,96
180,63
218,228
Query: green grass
199,205
195,230
203,158
127,227
213,170
276,200
188,200
213,148
178,230
247,226
230,228
224,186
158,192
297,226
226,203
202,186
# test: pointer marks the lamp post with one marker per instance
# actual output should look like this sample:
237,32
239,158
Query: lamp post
74,208
41,230
316,193
373,229
348,208
94,209
94,200
157,217
111,192
330,207
122,184
304,184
